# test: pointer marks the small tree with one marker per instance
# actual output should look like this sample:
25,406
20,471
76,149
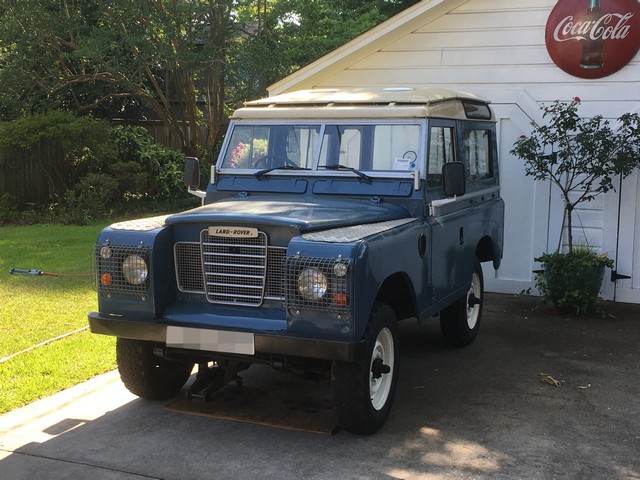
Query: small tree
580,156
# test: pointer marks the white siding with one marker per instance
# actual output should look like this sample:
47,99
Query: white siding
496,48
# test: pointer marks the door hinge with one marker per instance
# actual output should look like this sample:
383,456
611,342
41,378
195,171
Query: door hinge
618,276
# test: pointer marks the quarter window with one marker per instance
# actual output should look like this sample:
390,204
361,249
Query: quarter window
441,151
477,154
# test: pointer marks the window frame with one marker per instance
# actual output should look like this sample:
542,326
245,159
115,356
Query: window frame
476,184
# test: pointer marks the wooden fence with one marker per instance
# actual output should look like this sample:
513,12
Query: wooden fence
37,177
42,176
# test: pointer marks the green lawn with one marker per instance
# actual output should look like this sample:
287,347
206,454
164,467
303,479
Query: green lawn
36,308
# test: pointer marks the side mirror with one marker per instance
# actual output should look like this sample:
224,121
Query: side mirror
453,177
191,174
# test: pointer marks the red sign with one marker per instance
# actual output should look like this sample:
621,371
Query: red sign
590,40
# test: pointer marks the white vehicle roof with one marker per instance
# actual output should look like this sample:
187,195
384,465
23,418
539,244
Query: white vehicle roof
362,103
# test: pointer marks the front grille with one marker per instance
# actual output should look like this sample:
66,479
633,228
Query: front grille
234,271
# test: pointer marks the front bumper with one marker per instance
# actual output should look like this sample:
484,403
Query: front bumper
264,343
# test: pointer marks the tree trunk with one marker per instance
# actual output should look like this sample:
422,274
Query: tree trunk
569,210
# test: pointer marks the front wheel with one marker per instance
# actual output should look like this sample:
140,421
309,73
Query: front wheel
363,391
147,375
460,321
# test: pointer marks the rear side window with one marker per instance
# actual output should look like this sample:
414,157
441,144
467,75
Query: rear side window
441,151
477,152
477,111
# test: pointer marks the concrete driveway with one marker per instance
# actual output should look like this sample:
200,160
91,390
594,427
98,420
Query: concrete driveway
480,412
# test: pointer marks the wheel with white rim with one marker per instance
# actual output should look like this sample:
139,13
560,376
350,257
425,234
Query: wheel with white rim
363,391
460,321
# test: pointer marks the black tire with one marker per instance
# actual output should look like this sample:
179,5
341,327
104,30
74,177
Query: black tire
460,321
147,375
363,391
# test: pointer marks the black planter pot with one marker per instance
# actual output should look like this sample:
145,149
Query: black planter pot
572,282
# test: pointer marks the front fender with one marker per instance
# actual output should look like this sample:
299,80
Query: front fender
375,253
154,244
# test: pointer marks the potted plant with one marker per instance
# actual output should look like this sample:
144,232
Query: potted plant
582,157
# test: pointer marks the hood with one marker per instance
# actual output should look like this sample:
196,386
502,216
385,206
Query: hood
299,213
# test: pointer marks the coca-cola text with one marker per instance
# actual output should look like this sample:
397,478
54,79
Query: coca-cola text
603,28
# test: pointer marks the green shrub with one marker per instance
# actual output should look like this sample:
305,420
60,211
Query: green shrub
8,208
105,169
58,129
131,178
143,167
64,144
572,281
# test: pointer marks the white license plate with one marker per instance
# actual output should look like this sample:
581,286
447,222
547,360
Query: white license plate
241,343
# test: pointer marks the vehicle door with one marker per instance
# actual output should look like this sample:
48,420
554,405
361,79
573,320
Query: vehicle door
446,215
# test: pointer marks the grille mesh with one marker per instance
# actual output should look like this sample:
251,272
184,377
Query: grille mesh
274,287
335,285
109,276
188,261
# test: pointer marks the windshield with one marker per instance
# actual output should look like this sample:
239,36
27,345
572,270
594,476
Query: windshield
369,147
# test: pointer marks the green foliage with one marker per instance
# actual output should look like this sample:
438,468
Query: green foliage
94,196
104,170
114,57
65,131
165,59
8,208
241,153
135,168
143,167
293,33
572,282
579,155
62,145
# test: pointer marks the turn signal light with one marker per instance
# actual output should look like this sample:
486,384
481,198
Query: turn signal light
106,279
340,299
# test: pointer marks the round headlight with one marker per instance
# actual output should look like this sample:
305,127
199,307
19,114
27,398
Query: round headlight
312,284
135,269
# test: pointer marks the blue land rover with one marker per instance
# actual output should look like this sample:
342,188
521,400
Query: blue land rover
329,216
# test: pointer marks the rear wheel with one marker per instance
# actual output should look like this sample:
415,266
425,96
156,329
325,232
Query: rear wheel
147,375
363,391
460,321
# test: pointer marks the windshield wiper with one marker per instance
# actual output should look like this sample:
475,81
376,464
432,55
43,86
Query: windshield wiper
338,166
282,167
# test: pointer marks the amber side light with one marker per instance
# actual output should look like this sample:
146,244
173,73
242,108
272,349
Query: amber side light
340,299
106,279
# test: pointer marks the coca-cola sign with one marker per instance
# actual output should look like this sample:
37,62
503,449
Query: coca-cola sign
593,38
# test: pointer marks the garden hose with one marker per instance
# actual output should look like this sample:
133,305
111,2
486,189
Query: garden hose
35,272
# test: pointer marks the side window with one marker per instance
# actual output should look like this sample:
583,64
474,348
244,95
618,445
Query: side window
477,152
441,151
